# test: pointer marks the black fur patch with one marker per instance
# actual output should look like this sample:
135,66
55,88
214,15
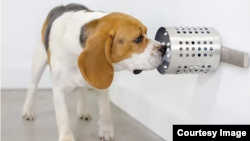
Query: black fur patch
86,31
83,36
58,11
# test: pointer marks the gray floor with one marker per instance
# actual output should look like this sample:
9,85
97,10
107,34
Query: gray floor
14,128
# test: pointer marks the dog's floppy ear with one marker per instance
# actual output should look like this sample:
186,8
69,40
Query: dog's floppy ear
95,62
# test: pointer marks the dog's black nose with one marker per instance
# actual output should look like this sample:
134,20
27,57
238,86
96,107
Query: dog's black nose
137,71
163,49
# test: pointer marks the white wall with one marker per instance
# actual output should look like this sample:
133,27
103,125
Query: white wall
155,100
159,101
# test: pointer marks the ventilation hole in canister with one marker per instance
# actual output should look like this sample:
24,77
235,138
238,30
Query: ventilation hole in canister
178,32
191,67
206,28
183,29
210,55
187,42
200,28
199,55
190,70
205,72
199,42
187,48
196,32
205,48
178,71
193,48
193,42
209,66
205,55
201,70
187,55
168,44
181,55
185,67
208,32
179,67
194,28
202,32
205,42
199,48
195,70
181,48
190,32
180,42
193,55
203,66
210,42
184,32
211,48
177,28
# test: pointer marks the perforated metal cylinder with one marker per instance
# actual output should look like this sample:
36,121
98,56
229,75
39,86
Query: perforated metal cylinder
190,50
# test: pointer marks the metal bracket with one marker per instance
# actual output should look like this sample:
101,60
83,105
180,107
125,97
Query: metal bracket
235,57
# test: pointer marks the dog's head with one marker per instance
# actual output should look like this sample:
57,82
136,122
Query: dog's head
118,42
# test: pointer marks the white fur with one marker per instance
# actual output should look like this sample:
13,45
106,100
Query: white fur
65,48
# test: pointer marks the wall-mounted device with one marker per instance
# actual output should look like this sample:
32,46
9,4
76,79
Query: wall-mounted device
195,50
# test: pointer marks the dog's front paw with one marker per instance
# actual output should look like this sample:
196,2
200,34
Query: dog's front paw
106,131
84,115
28,113
66,137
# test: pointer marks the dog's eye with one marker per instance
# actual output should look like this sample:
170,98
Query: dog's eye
139,39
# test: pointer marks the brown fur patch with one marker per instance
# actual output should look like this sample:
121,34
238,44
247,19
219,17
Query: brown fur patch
43,38
48,54
44,29
95,62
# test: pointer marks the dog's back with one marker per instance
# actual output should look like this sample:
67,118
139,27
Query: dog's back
54,14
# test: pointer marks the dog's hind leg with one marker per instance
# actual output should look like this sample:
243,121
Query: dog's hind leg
39,62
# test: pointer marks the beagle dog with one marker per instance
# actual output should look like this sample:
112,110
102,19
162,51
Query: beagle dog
84,48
